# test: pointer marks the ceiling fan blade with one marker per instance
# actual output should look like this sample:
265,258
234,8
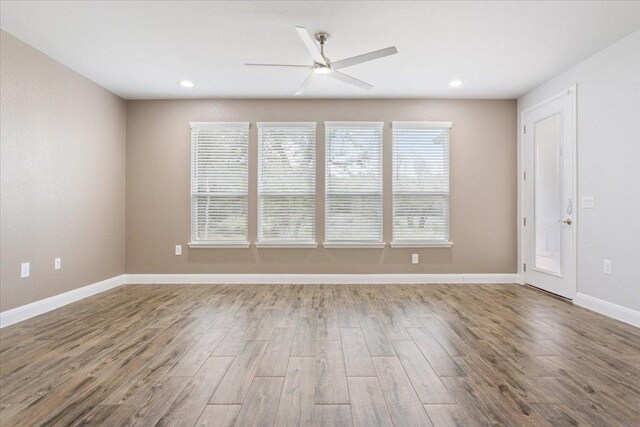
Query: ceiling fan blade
351,80
364,57
279,65
305,83
311,46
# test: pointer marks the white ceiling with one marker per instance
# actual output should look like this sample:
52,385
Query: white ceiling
142,49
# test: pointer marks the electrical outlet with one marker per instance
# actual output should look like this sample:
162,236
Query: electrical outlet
588,202
606,268
57,264
178,249
25,268
415,258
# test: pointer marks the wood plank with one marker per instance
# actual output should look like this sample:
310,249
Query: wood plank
438,358
297,406
151,406
261,402
331,378
219,416
559,415
98,415
187,407
376,339
304,341
403,403
276,357
452,416
333,416
424,379
356,353
198,353
367,403
234,386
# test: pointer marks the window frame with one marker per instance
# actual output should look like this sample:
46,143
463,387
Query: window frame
197,243
421,243
286,243
354,243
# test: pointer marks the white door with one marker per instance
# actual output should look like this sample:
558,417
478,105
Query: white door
549,225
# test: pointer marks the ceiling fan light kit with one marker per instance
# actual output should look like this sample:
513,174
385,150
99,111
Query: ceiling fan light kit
323,65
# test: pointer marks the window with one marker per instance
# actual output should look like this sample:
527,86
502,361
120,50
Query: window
286,184
421,184
219,184
353,193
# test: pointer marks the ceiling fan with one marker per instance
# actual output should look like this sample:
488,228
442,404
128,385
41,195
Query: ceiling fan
322,64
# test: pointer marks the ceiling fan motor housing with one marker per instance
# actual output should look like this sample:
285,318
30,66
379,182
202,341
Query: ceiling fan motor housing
322,38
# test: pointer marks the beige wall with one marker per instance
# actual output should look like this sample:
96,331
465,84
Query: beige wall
483,187
65,143
62,177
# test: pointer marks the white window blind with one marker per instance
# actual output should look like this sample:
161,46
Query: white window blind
219,182
286,182
421,182
353,183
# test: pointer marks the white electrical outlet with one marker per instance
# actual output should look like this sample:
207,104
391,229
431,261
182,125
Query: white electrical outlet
606,268
588,202
25,268
178,249
57,264
415,258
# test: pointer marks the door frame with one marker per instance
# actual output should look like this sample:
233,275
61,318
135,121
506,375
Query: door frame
523,202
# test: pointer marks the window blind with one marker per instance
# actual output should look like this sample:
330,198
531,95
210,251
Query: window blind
286,182
421,182
219,182
353,182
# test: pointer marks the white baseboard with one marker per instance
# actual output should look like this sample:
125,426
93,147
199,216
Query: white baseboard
28,311
623,314
310,279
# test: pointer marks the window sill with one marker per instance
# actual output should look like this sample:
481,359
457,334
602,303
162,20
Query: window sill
218,245
421,244
284,245
354,245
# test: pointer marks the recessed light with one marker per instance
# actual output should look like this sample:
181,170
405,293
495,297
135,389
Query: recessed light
186,83
455,83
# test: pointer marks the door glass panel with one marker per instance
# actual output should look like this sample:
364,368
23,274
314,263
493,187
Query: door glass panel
548,195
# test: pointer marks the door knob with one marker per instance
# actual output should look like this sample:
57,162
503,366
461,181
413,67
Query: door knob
567,221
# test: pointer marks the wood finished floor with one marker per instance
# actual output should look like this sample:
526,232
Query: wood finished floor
401,355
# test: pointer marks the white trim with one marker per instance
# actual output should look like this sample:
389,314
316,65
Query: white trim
214,245
263,125
33,309
219,125
309,279
372,125
623,314
419,244
265,245
422,125
354,245
549,99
